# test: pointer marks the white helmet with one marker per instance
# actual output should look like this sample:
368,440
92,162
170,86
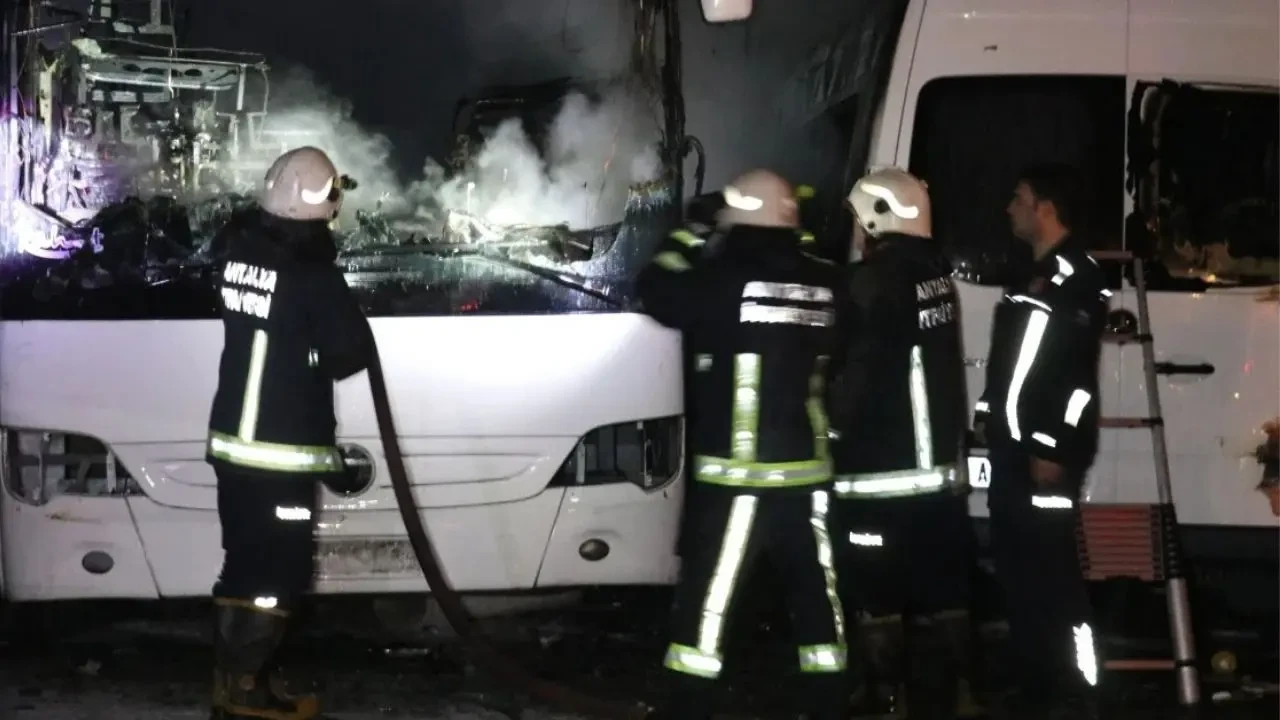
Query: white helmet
892,200
303,184
761,198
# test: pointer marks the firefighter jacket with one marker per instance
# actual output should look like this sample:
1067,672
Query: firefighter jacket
291,328
897,401
1042,368
758,316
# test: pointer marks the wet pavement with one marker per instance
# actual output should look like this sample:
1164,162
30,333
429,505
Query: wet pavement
87,663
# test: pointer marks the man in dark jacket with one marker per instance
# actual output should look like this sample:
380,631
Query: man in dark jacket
292,327
898,408
1039,416
758,315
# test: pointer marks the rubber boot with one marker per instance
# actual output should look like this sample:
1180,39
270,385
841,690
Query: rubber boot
687,698
957,629
933,670
1072,699
246,640
880,641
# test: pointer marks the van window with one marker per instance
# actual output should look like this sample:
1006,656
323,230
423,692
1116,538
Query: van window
973,135
1206,177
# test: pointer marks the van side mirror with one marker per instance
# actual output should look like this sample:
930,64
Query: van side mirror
725,11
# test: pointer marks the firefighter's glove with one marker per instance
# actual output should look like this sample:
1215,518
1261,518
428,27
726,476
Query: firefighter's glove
350,480
981,413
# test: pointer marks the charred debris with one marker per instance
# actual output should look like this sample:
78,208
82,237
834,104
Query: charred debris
125,153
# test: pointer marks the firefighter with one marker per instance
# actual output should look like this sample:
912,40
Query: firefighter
1038,415
758,315
899,415
292,327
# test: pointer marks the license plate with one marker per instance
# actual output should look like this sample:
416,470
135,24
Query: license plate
979,472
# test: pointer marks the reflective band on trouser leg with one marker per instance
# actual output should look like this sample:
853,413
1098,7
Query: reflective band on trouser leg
826,657
274,456
704,658
746,406
1086,656
899,483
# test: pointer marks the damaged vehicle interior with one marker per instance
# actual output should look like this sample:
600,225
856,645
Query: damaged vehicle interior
1209,211
127,153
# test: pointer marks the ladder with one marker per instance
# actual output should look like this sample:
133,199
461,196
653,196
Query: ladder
1143,541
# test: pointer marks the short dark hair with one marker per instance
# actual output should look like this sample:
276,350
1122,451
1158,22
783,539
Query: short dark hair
1057,183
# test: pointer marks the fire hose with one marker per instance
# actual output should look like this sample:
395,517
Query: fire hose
482,652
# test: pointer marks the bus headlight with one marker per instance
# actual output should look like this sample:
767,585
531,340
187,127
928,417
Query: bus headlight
646,453
39,465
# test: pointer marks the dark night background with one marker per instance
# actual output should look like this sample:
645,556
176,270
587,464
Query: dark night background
403,64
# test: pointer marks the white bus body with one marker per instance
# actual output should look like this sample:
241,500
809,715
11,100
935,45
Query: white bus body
488,408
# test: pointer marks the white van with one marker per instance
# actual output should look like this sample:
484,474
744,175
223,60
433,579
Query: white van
1169,107
1170,110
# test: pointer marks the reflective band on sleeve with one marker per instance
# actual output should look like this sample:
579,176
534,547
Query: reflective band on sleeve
920,410
1030,301
1052,502
746,405
274,456
704,658
673,261
253,386
900,483
1031,340
1075,406
982,407
830,657
723,471
816,406
1046,440
686,238
1065,270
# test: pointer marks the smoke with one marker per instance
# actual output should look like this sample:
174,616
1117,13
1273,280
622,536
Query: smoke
594,154
576,172
302,111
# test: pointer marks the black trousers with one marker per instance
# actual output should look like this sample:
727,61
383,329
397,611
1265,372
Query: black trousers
727,532
904,556
268,536
1034,543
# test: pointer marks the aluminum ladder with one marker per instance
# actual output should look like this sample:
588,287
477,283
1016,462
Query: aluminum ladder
1143,540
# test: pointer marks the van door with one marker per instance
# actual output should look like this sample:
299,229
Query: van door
1203,163
970,139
